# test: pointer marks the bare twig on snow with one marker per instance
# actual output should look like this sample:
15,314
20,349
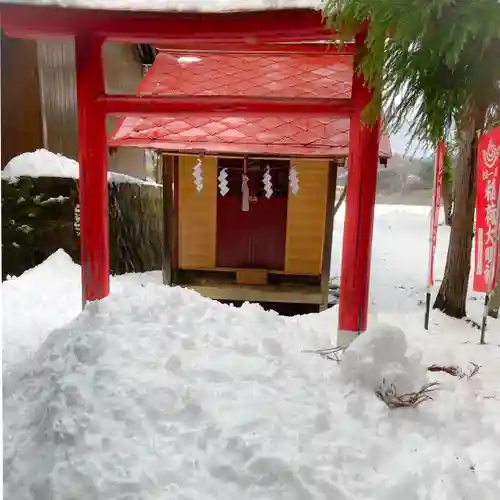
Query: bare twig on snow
456,371
331,353
392,399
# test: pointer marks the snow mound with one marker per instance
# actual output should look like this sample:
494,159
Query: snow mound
43,163
380,357
35,303
159,393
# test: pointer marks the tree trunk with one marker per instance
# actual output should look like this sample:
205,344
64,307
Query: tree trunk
447,188
452,294
340,200
447,196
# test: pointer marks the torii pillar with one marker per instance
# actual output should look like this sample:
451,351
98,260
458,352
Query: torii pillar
93,183
359,214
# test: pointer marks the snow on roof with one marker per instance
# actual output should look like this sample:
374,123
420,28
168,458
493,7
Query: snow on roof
213,6
264,75
43,163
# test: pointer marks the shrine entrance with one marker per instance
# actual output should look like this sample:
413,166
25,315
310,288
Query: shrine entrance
295,34
252,213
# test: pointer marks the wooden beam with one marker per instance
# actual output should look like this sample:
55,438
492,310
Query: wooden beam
166,148
327,241
297,294
21,124
175,221
172,105
290,49
236,156
40,21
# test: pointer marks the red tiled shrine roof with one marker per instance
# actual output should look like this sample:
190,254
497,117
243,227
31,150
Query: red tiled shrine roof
265,75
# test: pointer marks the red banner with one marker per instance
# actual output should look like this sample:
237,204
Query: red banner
486,234
436,203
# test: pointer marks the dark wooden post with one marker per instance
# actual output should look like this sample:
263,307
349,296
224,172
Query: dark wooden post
359,215
93,184
169,229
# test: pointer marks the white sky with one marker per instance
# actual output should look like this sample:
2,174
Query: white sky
400,142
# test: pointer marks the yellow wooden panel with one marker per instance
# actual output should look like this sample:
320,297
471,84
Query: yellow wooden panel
252,276
197,214
306,217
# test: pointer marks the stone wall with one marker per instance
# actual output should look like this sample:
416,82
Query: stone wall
40,215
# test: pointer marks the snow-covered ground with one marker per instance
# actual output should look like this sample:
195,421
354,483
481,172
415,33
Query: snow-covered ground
158,393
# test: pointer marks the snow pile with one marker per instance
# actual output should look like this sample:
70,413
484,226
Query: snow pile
158,393
381,356
43,163
40,300
183,5
40,163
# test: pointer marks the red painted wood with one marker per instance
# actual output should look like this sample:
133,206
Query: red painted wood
130,105
359,214
268,235
34,21
298,49
93,184
233,233
327,76
254,239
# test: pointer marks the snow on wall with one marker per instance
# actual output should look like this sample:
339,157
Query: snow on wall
181,5
43,163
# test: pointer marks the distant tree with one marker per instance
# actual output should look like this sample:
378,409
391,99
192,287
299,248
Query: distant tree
341,199
426,172
343,194
438,70
447,188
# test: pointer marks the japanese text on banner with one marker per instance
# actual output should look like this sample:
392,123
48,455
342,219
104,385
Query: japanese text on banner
486,236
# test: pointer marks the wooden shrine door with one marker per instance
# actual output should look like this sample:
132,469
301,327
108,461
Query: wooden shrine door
255,238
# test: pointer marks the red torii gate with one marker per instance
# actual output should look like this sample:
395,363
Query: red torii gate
254,32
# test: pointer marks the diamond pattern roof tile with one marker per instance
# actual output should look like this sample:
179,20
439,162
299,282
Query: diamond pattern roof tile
290,75
310,75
